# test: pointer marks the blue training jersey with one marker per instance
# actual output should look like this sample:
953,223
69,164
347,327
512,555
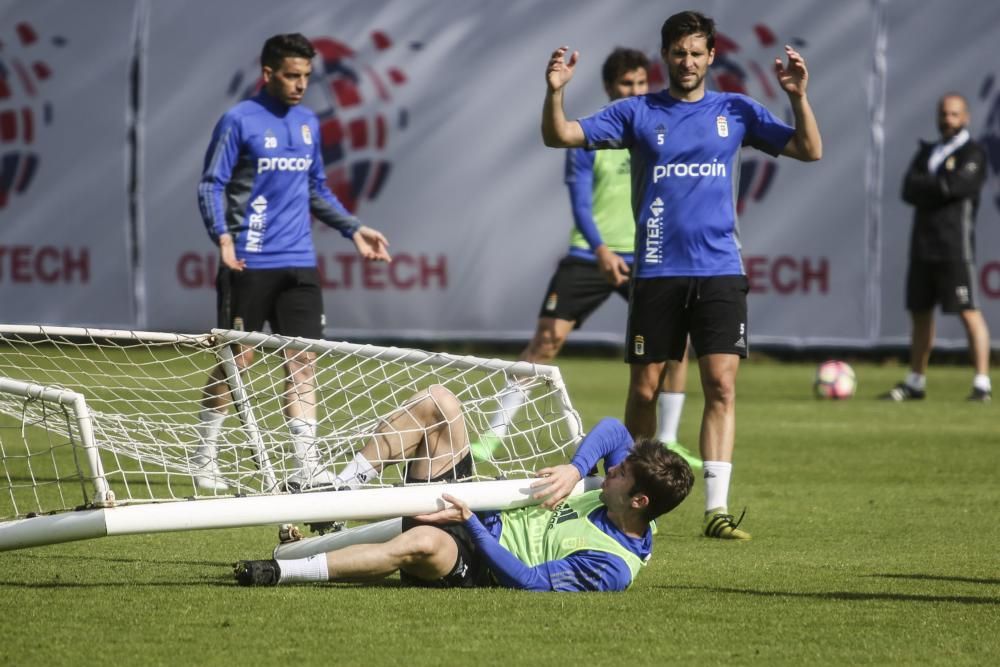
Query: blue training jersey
263,177
585,570
685,160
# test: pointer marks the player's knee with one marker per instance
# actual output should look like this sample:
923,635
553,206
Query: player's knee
643,392
443,402
545,345
420,544
720,390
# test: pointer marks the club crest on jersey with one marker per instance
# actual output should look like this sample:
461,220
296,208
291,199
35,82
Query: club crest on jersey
639,346
722,126
307,135
552,301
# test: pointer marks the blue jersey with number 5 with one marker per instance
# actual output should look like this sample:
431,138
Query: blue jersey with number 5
685,175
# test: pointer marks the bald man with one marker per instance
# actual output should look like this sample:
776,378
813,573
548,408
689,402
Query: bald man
943,185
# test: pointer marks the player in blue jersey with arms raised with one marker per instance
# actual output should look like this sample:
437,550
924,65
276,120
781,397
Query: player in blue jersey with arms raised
597,541
689,276
599,261
262,183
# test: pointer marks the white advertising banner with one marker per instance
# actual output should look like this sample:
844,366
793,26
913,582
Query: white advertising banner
65,243
430,113
803,225
440,149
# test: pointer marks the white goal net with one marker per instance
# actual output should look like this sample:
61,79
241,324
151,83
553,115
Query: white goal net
96,418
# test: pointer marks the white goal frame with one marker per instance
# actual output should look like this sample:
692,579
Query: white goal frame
102,514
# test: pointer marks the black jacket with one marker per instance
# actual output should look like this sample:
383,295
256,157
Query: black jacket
945,203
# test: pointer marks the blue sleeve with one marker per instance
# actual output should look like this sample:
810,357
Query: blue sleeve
581,571
609,440
580,180
611,127
220,159
765,131
324,206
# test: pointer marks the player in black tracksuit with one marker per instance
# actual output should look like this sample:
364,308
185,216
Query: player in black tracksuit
943,185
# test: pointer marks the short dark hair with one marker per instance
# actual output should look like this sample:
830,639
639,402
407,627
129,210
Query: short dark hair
289,45
687,23
661,474
620,61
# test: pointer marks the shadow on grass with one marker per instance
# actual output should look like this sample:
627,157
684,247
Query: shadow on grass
118,559
226,582
223,581
938,577
846,596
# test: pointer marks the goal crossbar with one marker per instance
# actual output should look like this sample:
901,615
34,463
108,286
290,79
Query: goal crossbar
102,433
313,507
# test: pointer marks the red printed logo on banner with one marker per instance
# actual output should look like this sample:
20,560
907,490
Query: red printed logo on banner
745,67
352,92
24,111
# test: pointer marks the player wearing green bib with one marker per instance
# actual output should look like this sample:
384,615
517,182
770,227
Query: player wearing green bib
562,533
598,541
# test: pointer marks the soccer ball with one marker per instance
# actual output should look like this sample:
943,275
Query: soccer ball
835,379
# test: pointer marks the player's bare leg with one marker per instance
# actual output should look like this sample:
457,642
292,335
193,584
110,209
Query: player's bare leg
979,349
921,340
718,423
670,405
300,413
545,345
913,387
640,404
216,398
425,552
718,436
428,431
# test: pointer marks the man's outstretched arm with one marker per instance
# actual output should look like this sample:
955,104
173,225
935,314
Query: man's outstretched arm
806,144
557,131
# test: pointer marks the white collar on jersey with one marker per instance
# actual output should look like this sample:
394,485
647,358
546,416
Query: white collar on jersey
942,150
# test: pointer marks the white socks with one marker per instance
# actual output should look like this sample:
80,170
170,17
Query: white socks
982,383
511,400
357,473
717,474
916,381
313,568
669,408
304,438
209,426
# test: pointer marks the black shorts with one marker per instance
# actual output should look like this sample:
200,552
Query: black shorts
470,569
952,284
664,311
290,300
576,290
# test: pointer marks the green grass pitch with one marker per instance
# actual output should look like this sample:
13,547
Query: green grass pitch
876,542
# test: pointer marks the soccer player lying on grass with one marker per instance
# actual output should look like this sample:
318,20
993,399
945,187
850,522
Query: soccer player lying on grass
597,541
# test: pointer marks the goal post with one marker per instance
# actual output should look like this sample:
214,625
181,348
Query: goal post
358,505
100,430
